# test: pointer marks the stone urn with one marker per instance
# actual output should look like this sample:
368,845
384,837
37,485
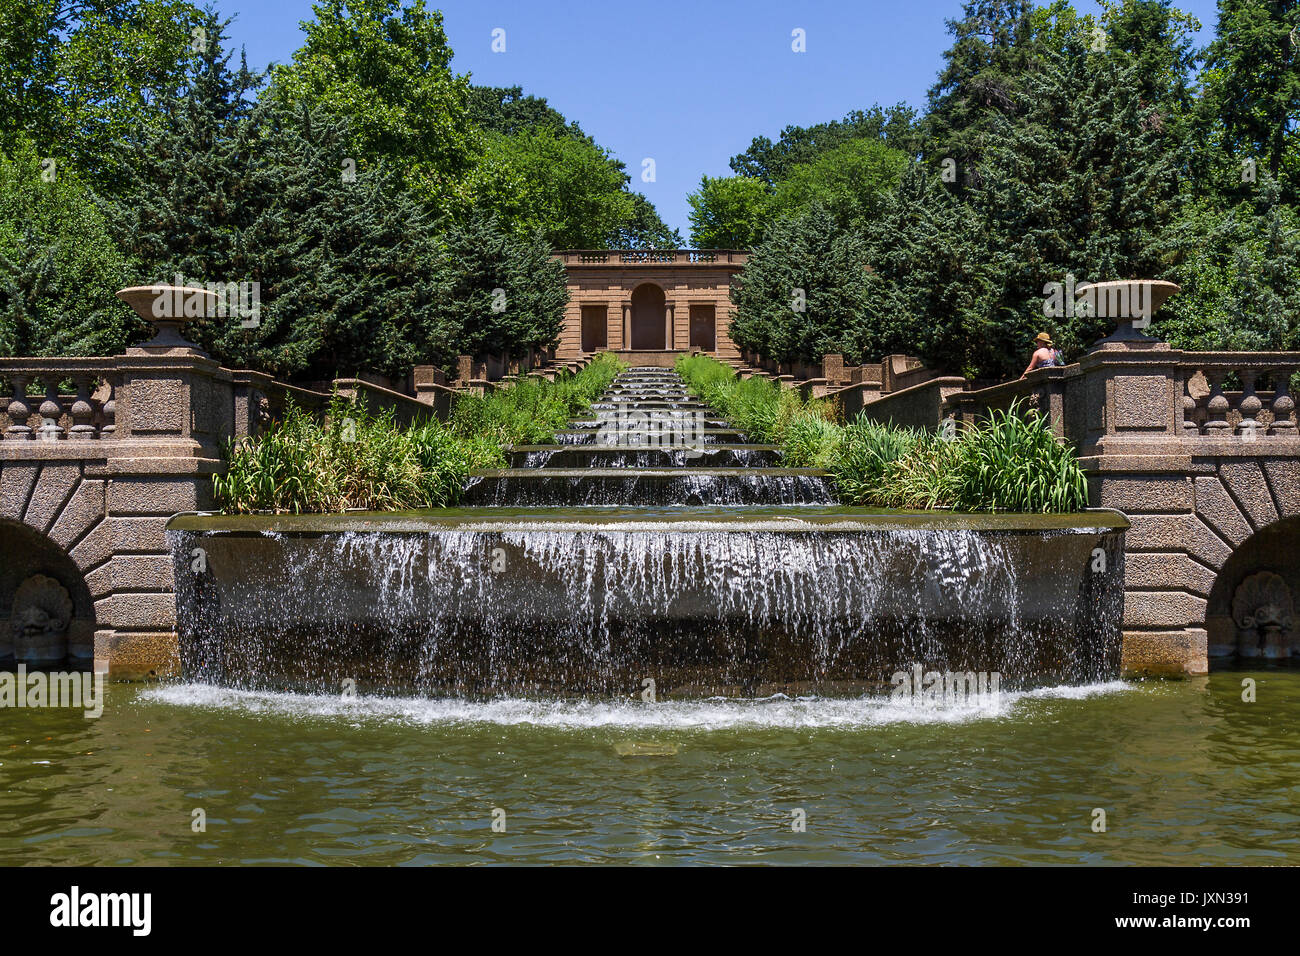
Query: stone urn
1130,302
167,308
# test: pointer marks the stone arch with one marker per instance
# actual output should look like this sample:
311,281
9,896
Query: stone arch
649,317
1251,611
37,577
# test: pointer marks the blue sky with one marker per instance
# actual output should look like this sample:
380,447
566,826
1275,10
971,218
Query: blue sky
688,84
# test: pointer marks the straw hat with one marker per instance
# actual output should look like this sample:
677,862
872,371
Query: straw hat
1042,338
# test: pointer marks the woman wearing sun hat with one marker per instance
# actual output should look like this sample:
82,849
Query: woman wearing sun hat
1044,354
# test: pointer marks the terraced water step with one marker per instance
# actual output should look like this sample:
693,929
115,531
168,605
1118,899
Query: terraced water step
653,405
679,422
597,456
647,437
528,487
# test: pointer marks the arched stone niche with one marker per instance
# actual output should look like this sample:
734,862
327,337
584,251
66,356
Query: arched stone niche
47,617
1251,613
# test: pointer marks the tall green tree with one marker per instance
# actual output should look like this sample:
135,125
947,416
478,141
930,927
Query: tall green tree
770,162
187,202
994,50
507,295
539,171
935,282
729,212
851,180
1239,269
561,186
79,76
385,67
1252,84
1085,183
59,267
803,289
349,264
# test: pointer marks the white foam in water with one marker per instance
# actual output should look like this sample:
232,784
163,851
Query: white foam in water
771,713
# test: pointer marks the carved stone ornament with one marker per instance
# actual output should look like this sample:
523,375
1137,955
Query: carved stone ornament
1264,615
42,611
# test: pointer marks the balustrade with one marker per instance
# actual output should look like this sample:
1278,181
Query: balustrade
56,413
1215,411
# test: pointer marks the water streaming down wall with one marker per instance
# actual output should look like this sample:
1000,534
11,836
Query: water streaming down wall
646,542
648,487
555,607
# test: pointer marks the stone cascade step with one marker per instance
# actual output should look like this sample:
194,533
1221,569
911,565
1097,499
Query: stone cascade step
538,487
647,437
648,442
597,456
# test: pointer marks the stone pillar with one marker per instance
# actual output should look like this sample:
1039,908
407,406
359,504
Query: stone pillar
1124,411
668,326
627,324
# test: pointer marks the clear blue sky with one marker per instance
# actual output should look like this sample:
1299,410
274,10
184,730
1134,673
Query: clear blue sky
688,84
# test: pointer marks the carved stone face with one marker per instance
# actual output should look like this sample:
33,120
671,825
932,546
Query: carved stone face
34,621
1263,611
1269,616
41,614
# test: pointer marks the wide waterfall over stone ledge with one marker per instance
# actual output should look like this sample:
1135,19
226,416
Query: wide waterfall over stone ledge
635,548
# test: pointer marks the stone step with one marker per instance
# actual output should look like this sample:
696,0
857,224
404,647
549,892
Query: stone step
680,424
597,456
662,487
646,437
689,406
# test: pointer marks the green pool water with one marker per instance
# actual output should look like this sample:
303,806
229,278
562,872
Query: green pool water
1187,773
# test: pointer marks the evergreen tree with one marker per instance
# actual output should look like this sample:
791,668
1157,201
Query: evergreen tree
994,50
1084,184
187,202
1252,84
348,261
508,295
802,290
934,284
1239,270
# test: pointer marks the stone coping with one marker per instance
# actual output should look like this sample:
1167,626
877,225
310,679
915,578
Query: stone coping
810,518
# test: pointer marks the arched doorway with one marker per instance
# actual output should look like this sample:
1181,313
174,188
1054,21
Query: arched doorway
648,318
1253,605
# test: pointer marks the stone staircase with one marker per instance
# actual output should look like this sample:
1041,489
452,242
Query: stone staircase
646,442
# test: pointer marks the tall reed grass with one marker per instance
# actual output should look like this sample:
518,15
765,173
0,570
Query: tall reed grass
351,458
1010,462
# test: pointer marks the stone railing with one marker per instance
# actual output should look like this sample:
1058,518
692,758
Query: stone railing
1042,390
482,372
1132,398
652,257
87,411
1210,410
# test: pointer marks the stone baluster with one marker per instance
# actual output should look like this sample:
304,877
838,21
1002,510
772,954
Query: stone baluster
51,410
19,409
1283,404
1217,404
108,411
1250,404
82,411
1190,426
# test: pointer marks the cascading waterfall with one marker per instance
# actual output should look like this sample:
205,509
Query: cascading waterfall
593,566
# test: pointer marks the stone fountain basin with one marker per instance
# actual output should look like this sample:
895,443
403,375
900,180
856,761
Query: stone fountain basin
592,600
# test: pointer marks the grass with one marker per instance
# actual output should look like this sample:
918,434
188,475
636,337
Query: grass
354,459
1011,462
